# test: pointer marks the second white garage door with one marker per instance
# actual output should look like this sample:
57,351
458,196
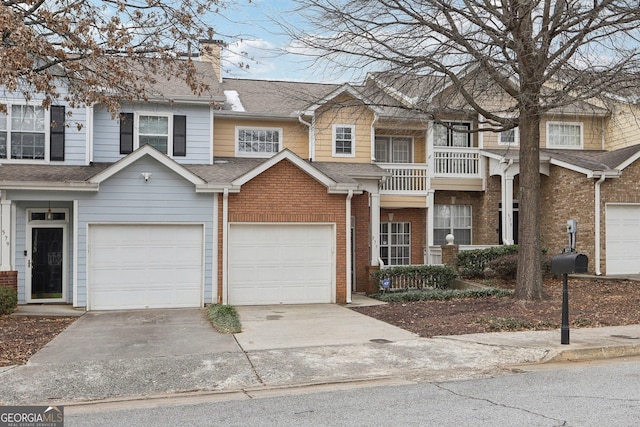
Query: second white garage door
145,266
623,239
280,264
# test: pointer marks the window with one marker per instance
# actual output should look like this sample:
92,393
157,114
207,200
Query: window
456,136
258,142
395,243
452,219
25,130
343,140
154,130
166,133
393,149
564,135
508,137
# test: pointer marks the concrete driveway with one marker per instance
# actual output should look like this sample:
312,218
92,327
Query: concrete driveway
135,334
290,326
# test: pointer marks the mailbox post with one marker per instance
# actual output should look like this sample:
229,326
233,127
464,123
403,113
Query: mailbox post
565,264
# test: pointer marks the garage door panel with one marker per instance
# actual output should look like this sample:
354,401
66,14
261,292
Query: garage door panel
145,266
623,239
280,264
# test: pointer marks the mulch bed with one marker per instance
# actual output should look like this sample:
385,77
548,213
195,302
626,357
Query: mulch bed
592,303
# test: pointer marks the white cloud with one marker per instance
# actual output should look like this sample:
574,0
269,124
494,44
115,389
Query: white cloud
253,57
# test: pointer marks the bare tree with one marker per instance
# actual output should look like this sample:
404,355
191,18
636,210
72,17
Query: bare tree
106,51
534,55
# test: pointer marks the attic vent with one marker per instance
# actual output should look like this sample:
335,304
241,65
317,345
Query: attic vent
233,99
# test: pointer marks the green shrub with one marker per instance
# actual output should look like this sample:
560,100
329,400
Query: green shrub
224,318
8,299
504,267
472,263
440,294
419,276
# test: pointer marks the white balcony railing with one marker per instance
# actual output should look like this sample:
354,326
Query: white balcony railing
409,178
452,161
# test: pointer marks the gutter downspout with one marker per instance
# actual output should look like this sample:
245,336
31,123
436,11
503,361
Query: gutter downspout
312,138
597,223
348,244
225,249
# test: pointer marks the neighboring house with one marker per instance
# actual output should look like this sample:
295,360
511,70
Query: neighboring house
264,192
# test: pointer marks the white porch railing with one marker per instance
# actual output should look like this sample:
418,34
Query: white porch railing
452,161
406,178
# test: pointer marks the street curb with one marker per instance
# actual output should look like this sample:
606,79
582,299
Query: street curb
593,353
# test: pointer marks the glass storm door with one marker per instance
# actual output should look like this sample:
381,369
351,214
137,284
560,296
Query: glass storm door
46,263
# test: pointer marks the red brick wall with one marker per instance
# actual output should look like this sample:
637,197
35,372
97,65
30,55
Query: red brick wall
10,279
418,219
284,193
360,210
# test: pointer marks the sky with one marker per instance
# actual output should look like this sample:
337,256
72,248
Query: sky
250,26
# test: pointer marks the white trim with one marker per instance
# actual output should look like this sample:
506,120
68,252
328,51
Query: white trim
146,150
373,136
261,155
293,158
629,161
565,147
136,129
6,229
64,225
334,129
225,247
345,88
75,252
214,257
89,134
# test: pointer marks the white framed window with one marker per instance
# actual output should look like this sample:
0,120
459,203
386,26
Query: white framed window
394,149
564,135
154,130
258,141
24,132
509,137
395,243
452,219
344,137
452,134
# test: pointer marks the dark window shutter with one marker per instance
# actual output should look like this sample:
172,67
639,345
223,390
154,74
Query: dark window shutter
56,135
179,135
126,133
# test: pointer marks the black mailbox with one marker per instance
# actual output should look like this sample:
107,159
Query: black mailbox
569,263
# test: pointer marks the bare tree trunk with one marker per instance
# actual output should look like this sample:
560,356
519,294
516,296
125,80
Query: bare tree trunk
529,277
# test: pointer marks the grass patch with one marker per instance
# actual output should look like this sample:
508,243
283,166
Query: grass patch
440,294
224,318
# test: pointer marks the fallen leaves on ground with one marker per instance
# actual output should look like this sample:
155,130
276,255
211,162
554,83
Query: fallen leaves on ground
592,303
22,336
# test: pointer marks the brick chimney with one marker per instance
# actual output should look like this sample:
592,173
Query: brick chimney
211,51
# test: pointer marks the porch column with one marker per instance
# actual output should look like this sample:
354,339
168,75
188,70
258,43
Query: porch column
429,225
374,207
507,208
5,235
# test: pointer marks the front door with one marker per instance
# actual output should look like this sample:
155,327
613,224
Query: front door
46,263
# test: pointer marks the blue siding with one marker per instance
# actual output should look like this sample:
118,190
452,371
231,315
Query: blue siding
106,140
125,198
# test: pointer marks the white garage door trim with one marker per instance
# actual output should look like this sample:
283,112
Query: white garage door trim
296,262
622,238
145,265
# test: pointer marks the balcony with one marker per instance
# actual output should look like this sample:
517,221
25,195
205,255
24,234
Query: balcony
456,162
406,178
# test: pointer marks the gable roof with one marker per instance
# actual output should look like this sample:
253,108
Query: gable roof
146,150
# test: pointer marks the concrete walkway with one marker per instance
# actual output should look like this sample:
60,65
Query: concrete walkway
160,353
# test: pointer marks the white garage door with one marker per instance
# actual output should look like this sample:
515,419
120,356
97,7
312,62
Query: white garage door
623,239
145,266
280,264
